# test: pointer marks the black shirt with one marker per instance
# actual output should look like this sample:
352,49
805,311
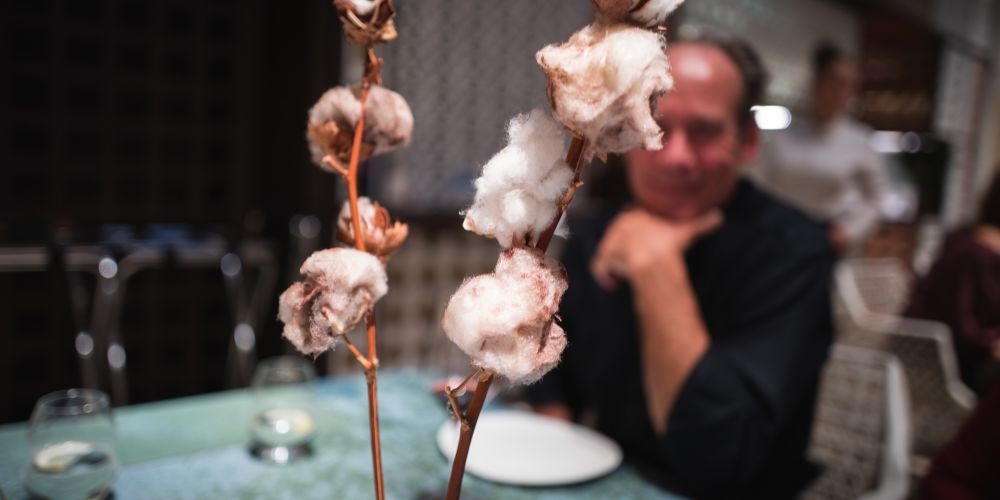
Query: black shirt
741,423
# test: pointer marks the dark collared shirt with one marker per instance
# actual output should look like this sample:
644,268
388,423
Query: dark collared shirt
741,422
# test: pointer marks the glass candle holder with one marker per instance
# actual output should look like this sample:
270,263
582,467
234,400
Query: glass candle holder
283,425
71,436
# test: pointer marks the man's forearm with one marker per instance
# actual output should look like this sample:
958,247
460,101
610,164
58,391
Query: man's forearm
672,334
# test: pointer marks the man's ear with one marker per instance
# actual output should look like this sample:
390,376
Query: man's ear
750,146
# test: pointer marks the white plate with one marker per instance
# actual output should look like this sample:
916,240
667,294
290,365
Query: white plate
530,450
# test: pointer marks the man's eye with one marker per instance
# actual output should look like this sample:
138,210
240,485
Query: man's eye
704,131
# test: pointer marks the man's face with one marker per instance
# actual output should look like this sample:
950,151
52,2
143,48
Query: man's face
837,87
703,142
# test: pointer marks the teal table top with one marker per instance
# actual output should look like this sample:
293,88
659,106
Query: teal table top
196,448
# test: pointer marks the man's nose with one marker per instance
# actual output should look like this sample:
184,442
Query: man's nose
677,151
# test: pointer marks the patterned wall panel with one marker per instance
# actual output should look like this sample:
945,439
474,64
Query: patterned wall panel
465,68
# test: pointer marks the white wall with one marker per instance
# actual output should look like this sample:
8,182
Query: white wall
967,94
465,67
784,32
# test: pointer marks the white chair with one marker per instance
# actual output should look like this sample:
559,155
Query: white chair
871,288
861,432
873,292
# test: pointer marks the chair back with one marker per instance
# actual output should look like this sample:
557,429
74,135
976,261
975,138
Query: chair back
870,288
861,432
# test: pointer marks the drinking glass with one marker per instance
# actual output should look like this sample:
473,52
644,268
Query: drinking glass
71,437
283,426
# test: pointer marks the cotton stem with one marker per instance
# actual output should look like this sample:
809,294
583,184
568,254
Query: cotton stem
574,158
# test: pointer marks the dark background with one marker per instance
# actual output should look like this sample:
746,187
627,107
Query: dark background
185,112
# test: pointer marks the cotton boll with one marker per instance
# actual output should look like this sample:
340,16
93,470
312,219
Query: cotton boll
295,314
554,185
340,286
646,13
518,193
539,275
391,119
331,124
519,208
349,282
525,362
603,83
540,139
536,129
382,236
367,22
504,321
654,12
388,123
366,212
508,165
359,7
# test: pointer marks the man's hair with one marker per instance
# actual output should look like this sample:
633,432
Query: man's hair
824,55
752,70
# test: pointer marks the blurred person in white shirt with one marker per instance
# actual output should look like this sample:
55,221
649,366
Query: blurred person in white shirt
823,163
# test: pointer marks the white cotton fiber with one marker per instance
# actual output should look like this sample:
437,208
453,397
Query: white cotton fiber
366,212
603,83
388,123
646,13
362,8
504,321
340,286
518,193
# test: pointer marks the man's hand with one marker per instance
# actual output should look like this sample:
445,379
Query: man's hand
838,238
637,240
648,251
996,350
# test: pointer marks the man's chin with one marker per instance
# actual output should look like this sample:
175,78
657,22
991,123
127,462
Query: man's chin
679,212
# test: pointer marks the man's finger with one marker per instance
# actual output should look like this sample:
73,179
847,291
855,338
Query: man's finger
602,273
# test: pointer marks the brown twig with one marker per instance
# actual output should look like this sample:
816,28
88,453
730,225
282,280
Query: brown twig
357,354
453,394
332,162
369,362
371,377
574,158
465,435
352,173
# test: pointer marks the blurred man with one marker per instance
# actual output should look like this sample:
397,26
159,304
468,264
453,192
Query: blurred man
699,317
823,163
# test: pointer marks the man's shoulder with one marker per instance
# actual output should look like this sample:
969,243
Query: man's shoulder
778,225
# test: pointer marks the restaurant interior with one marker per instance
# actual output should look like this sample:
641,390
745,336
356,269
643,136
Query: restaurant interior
157,197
